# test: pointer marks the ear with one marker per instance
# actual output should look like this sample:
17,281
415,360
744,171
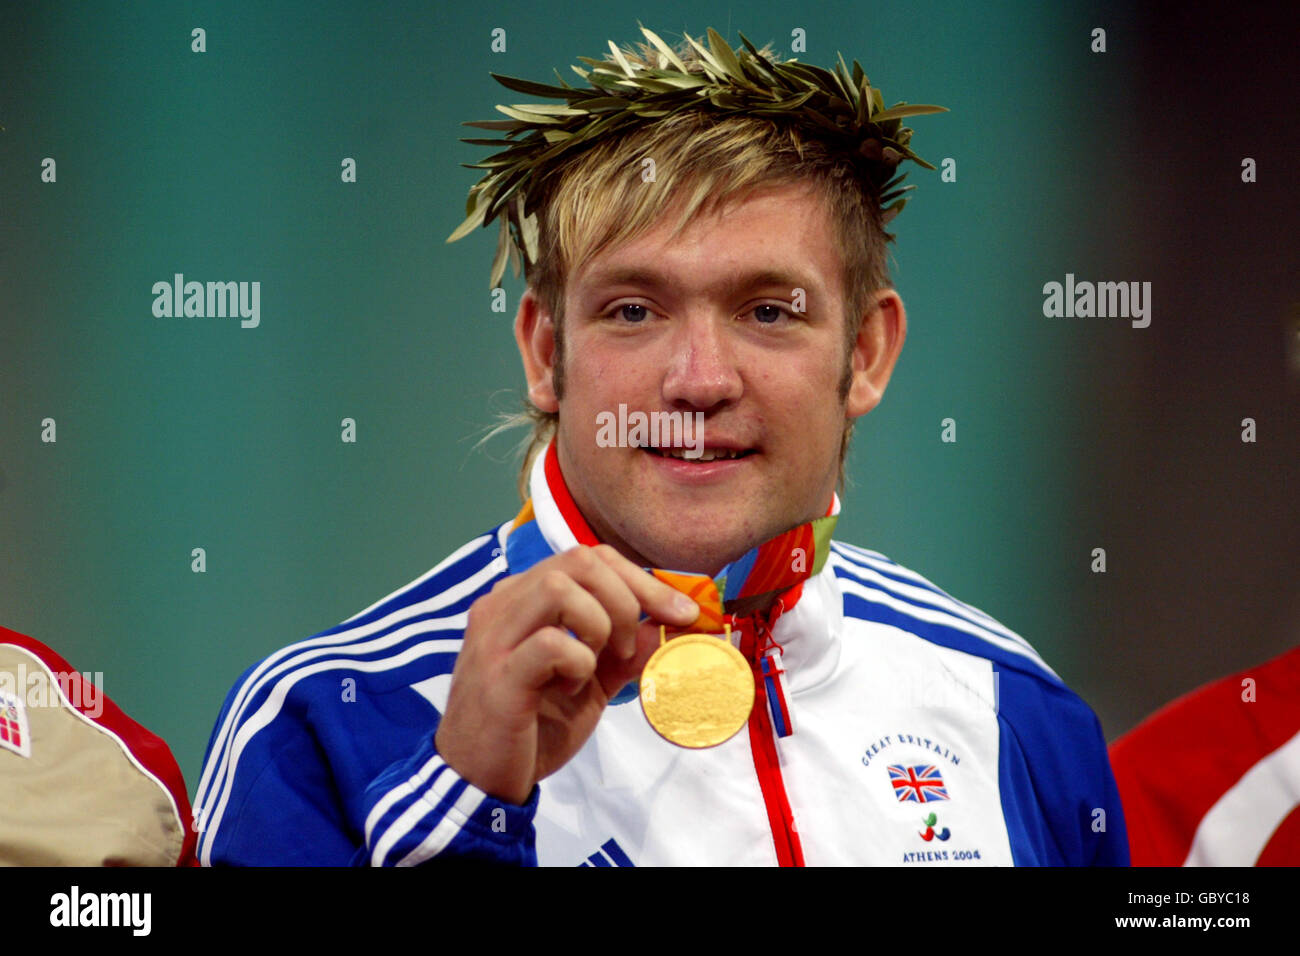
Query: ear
880,340
535,336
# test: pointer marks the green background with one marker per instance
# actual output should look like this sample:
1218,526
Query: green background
180,433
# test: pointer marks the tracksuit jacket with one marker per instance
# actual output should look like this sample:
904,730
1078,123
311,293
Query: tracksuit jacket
918,732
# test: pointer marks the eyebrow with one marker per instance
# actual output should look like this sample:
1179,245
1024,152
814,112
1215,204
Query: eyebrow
650,278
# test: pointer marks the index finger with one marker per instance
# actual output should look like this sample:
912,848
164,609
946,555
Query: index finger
660,601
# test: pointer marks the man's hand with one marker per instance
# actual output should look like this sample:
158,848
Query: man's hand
525,695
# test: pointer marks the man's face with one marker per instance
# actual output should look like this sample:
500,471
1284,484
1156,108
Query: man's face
706,323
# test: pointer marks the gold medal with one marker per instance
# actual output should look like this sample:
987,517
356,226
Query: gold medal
697,690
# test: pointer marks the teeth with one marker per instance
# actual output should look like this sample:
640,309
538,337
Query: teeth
709,454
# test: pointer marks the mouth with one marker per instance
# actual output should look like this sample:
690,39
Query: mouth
708,454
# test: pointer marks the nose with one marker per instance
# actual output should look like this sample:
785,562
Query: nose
701,370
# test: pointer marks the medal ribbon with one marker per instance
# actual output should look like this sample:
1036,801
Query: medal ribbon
772,568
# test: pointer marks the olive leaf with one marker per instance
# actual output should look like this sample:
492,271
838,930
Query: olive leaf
629,88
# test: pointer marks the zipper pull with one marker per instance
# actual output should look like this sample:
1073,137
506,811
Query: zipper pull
778,698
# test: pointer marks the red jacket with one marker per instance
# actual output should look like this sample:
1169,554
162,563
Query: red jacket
1213,779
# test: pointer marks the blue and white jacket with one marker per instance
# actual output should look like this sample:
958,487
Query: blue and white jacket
925,733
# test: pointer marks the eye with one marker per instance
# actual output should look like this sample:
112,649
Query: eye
768,314
631,312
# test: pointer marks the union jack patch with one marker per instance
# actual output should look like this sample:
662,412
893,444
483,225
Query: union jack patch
917,784
15,734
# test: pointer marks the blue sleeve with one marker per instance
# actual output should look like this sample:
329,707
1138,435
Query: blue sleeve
270,797
273,806
421,811
1059,797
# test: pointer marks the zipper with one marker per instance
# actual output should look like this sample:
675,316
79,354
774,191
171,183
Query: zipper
762,745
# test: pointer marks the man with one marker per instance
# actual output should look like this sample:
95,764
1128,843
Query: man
703,239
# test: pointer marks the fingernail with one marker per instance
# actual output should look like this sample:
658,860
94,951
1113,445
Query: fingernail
685,605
